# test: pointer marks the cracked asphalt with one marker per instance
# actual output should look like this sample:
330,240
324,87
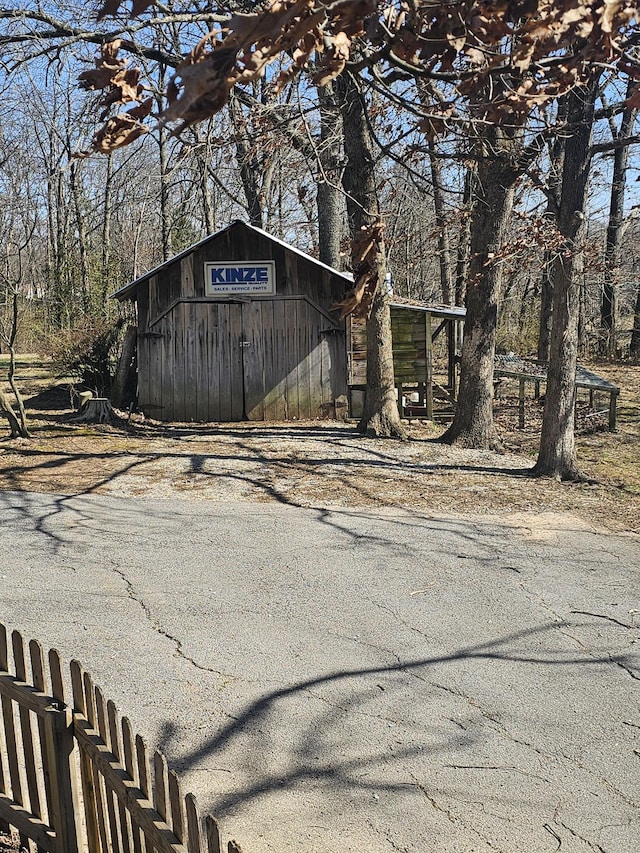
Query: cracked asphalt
354,680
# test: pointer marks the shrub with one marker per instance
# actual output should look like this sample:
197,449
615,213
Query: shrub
88,353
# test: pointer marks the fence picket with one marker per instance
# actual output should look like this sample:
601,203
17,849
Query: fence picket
124,812
125,829
176,803
193,824
138,771
213,835
38,674
111,799
10,733
4,826
89,699
86,774
160,784
28,751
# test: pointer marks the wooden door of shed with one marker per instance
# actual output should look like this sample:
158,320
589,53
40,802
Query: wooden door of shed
264,359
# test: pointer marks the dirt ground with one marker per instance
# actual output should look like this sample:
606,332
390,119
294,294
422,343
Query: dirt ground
324,463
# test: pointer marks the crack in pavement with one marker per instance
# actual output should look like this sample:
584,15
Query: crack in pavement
155,625
603,616
591,844
454,819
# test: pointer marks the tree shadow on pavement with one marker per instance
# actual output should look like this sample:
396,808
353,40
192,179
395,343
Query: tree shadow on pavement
279,741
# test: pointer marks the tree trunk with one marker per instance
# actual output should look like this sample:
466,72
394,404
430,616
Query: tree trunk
444,249
608,308
329,197
473,421
381,416
106,237
546,288
464,239
557,456
249,172
634,348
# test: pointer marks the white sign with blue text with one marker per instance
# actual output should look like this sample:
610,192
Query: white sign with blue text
229,278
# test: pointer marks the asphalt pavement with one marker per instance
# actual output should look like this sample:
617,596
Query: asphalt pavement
328,681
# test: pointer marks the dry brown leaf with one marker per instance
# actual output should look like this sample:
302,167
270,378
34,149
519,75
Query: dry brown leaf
117,132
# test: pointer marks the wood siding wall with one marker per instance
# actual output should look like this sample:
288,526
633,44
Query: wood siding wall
267,359
263,358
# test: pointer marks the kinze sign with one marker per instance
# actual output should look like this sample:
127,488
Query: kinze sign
225,278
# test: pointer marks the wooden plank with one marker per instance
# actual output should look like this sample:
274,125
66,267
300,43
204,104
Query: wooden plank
193,824
236,356
276,404
116,749
110,797
225,346
65,799
65,813
38,672
86,774
191,357
153,393
55,673
177,318
135,764
291,355
160,785
187,288
165,402
213,363
176,803
143,813
98,787
15,690
429,366
253,352
12,813
142,767
214,843
7,687
303,350
28,750
314,360
199,315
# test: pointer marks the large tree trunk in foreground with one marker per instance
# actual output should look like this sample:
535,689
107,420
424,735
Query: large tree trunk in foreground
493,186
557,456
381,416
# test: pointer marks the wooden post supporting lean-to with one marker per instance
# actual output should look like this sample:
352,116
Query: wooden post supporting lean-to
613,405
521,405
429,358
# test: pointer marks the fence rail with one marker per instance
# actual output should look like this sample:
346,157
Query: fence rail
74,778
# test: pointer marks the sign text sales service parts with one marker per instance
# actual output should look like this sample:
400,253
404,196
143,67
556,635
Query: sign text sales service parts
228,278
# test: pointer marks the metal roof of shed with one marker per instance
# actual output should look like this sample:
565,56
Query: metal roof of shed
446,312
128,290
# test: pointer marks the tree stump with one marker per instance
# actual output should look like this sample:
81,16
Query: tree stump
97,410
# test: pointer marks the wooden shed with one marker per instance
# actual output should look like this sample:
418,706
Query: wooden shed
239,327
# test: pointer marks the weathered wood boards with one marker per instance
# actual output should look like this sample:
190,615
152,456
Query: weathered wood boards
56,760
228,358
